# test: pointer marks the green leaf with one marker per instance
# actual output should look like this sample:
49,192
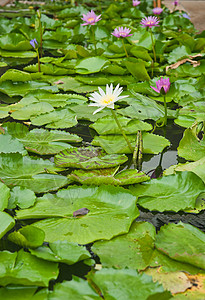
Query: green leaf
174,192
182,242
25,269
59,118
21,197
75,289
8,144
106,125
127,284
106,176
62,251
16,292
14,42
91,65
30,173
6,223
32,110
138,70
133,250
27,237
88,158
112,208
179,53
190,147
152,144
4,196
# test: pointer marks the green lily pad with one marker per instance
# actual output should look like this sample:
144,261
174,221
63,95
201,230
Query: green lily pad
152,144
108,176
27,237
8,144
182,242
190,147
6,223
127,284
16,292
91,65
62,251
132,250
21,197
174,192
112,208
25,269
107,125
77,288
31,173
88,158
31,110
4,196
14,42
59,118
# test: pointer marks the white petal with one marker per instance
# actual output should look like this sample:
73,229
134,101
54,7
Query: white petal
102,93
99,109
111,105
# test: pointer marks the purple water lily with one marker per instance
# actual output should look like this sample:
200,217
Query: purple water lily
122,32
135,2
162,83
34,43
90,18
150,22
157,10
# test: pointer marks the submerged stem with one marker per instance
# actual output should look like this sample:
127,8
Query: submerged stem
122,131
39,66
93,38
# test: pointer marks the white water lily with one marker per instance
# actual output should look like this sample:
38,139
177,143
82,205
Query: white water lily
107,99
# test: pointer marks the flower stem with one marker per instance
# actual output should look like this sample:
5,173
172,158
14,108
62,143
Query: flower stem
93,37
39,66
124,47
121,130
137,154
165,111
155,59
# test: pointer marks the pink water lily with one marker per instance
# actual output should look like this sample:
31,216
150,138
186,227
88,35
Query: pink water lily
90,18
175,3
150,22
122,32
157,10
135,2
162,83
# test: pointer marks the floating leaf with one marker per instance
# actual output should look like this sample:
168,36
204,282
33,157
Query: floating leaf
91,65
6,223
132,250
4,196
62,251
28,237
107,125
25,269
182,242
88,158
16,292
108,176
21,197
127,284
174,192
30,173
152,144
112,208
8,144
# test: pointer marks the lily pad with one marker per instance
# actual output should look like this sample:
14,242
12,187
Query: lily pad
174,192
107,125
30,173
190,147
91,65
182,242
4,196
108,176
25,269
88,158
62,251
16,292
132,250
152,143
127,284
112,208
8,144
21,197
6,223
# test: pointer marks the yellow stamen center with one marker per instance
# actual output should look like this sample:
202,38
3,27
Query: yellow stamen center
107,99
90,19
